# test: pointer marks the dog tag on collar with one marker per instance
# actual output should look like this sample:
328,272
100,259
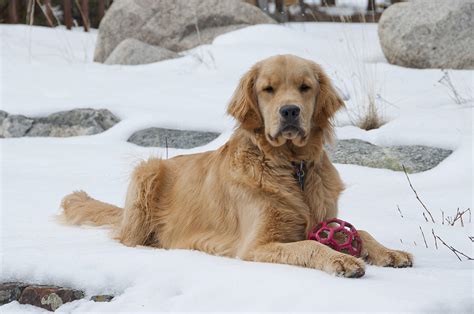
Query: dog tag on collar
300,172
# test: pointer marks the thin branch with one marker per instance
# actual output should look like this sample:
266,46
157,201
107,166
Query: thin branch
398,207
425,217
424,239
434,236
416,194
166,143
471,238
459,216
456,252
44,8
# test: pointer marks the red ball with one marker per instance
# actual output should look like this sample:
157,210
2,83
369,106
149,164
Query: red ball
339,235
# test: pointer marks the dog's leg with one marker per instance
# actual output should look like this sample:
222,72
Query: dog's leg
377,254
309,254
138,226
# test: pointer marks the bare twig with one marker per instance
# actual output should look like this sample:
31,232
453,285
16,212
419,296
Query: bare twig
459,216
424,239
452,90
398,207
456,252
44,8
425,217
401,241
471,238
434,236
442,216
416,194
166,144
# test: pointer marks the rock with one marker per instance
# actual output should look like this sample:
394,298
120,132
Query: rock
15,126
176,25
158,137
11,291
61,124
49,297
102,298
74,123
132,51
429,34
3,116
415,158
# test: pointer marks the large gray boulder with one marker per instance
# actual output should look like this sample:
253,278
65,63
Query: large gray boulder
131,51
176,25
415,158
160,137
61,124
429,34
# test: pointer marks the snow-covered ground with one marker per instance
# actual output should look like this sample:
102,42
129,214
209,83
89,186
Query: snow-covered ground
47,70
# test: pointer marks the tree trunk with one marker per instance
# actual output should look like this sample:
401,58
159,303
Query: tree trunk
85,14
329,3
13,12
68,13
371,5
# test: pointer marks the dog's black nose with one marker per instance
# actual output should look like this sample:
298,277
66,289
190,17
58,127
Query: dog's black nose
290,112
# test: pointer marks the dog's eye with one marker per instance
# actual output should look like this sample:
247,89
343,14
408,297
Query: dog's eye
269,89
304,88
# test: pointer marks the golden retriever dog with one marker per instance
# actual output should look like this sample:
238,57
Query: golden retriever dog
256,197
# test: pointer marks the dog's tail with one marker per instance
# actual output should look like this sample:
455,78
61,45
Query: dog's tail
81,209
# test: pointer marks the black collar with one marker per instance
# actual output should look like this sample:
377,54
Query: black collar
300,169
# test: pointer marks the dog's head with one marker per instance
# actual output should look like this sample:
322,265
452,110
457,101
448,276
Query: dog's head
286,97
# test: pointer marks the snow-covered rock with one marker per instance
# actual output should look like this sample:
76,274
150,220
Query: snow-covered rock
159,137
415,158
429,34
74,122
132,51
176,25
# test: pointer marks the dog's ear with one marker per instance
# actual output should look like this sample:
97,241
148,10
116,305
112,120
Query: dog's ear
244,106
328,100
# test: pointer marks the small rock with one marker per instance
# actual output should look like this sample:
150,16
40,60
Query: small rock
11,291
102,298
15,126
133,51
49,297
415,158
158,137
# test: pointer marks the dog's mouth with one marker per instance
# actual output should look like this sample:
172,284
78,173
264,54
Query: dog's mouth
290,132
293,133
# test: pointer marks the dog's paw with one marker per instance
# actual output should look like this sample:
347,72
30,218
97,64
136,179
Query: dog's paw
346,266
390,258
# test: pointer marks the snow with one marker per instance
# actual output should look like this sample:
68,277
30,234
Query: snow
46,70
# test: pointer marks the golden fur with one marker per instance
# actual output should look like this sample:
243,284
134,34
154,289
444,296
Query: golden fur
242,200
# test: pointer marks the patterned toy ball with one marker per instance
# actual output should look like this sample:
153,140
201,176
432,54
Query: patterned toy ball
339,235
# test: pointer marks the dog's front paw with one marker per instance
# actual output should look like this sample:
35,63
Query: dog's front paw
346,266
389,258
